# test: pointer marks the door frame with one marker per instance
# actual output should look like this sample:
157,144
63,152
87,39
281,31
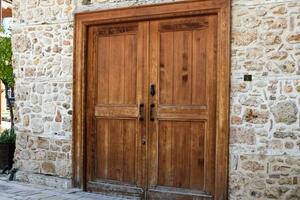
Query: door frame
221,8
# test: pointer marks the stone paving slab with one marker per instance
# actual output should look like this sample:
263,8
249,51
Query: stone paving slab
12,190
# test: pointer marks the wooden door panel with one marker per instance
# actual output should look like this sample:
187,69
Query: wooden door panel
115,93
199,67
182,136
116,150
182,67
117,70
181,154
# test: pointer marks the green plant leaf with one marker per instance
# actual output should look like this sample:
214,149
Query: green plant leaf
6,68
8,137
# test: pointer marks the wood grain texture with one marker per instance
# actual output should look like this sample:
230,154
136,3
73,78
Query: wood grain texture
197,155
183,136
114,90
182,68
187,112
223,105
91,100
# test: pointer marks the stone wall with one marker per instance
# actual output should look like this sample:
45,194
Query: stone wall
265,132
43,48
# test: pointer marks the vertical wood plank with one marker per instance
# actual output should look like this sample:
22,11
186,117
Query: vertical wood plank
181,154
182,68
90,149
152,151
199,67
129,151
115,166
102,148
210,139
197,155
143,131
165,176
166,70
103,59
116,70
139,128
223,91
130,69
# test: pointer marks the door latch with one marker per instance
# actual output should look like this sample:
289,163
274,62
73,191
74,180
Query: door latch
152,107
141,112
152,89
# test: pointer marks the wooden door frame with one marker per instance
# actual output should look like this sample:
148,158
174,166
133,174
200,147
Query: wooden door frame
221,8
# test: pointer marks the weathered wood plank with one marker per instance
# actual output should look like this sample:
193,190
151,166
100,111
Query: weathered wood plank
166,68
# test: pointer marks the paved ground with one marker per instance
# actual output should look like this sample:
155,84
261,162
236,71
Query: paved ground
4,125
11,190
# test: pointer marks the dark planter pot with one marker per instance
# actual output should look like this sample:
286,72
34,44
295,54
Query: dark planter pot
6,155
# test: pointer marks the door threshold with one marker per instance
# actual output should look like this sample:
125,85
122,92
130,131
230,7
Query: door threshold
178,193
115,189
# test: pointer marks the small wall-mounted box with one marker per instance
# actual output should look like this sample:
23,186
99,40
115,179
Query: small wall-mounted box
247,77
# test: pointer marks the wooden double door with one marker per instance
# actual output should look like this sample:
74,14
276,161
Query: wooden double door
151,108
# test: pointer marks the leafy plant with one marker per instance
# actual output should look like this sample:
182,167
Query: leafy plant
8,137
6,68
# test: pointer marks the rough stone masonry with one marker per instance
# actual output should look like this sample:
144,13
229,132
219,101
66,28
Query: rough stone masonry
265,132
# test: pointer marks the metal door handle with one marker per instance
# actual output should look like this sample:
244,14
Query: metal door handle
141,112
152,90
152,107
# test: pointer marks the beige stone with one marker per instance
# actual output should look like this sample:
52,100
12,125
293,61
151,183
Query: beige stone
255,116
294,38
66,148
20,43
293,194
58,117
279,55
280,9
242,136
244,38
26,120
274,23
288,67
48,168
236,120
252,166
273,193
271,39
285,112
37,125
291,135
285,181
42,143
